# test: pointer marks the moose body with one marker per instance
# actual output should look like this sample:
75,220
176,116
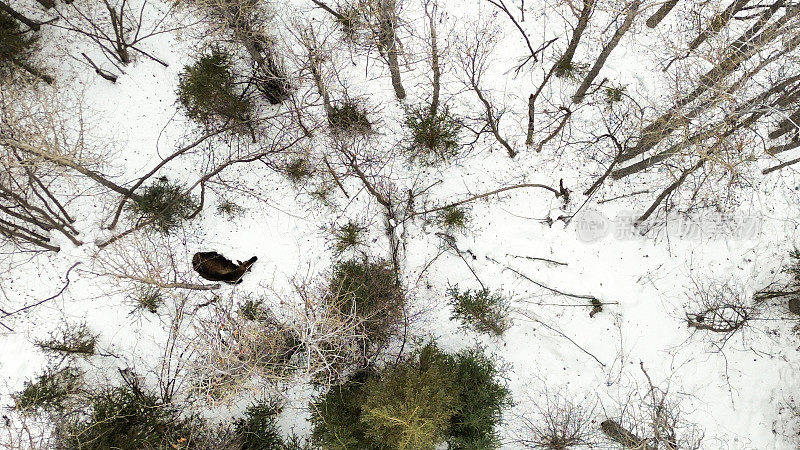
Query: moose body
215,267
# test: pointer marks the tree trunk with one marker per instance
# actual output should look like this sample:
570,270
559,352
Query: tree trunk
717,23
741,50
583,22
667,192
531,112
437,71
786,125
387,39
65,162
662,12
633,9
774,150
620,435
721,129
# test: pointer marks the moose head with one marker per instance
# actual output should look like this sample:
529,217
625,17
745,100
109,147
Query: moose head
215,267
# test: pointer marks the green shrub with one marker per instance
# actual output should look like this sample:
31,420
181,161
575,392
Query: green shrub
614,94
229,209
793,268
164,203
428,399
370,291
259,428
50,390
480,403
298,170
349,116
207,90
410,406
126,418
433,138
254,310
348,236
481,310
149,299
453,218
70,340
569,69
335,417
17,48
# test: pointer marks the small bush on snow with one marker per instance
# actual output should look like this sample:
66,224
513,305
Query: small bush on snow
207,90
434,138
50,390
348,236
453,218
70,340
349,116
164,203
481,310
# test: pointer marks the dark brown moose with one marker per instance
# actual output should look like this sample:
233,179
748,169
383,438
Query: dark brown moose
215,267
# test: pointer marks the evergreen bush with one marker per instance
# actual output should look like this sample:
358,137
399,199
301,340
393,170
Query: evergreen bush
50,390
570,70
229,209
165,203
17,48
298,170
336,417
126,418
259,427
481,310
434,138
419,403
453,218
370,292
348,236
149,299
409,407
614,94
480,402
70,340
207,90
349,116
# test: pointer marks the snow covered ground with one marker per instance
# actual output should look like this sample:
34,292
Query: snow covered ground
738,395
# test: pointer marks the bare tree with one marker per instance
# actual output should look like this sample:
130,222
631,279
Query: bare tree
474,51
651,418
44,149
119,27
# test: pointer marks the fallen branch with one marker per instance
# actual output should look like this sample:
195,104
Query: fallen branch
534,258
528,314
557,192
32,305
555,291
